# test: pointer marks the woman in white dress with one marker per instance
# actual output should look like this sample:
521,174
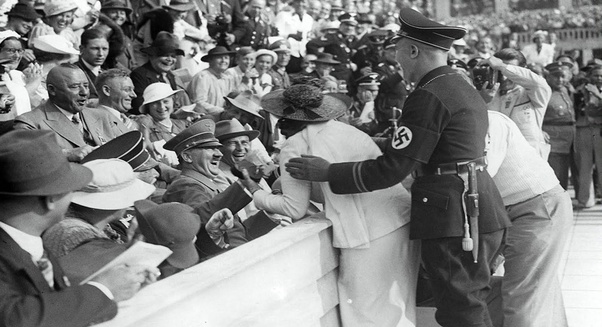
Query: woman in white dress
378,262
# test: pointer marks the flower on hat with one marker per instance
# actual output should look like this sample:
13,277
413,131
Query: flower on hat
304,98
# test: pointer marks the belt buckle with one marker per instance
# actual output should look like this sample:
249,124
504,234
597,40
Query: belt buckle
438,171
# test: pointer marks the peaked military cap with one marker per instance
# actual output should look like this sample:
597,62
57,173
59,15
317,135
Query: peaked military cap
199,134
421,29
368,79
558,66
378,36
348,18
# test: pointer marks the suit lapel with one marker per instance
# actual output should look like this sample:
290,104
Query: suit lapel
59,123
20,260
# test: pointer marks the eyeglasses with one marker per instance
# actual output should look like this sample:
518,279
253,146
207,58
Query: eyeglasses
13,51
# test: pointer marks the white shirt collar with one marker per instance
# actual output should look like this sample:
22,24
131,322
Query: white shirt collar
32,244
94,69
66,113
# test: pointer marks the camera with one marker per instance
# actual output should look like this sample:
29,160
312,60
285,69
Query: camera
482,74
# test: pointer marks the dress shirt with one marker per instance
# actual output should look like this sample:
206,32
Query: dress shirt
68,114
94,69
517,169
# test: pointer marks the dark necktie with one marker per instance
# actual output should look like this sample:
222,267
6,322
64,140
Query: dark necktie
45,267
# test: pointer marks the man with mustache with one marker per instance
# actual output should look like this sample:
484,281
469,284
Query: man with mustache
79,130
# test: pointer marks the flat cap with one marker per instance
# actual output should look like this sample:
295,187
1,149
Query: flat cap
421,29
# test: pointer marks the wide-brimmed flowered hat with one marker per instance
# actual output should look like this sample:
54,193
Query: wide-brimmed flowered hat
304,103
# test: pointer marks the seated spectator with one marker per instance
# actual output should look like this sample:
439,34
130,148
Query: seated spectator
280,77
21,19
119,11
199,152
178,10
159,68
325,65
365,226
156,123
113,189
58,20
115,95
209,87
361,114
262,84
94,49
176,226
34,195
150,24
245,60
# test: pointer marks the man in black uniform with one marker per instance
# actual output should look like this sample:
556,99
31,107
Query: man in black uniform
369,55
441,138
341,45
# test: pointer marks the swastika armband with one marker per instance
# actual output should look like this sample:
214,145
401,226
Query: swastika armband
413,142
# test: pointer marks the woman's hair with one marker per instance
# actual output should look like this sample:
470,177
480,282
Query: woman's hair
512,54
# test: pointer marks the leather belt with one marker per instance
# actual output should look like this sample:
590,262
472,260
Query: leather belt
453,168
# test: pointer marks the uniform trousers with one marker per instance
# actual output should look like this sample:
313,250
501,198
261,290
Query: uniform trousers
460,286
588,151
531,291
377,285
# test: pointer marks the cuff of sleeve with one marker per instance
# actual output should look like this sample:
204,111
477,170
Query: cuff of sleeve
103,289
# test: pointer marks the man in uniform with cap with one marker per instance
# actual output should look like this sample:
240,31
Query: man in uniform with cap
361,113
258,29
199,155
369,55
280,77
341,45
457,211
34,195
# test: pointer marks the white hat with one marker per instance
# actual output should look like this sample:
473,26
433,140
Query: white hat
393,27
54,44
331,25
155,92
55,7
114,186
8,33
460,43
262,52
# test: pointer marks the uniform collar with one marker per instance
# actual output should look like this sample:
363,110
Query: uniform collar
434,74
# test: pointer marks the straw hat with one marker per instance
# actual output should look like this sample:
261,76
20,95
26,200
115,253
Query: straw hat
55,7
53,43
263,52
245,102
304,103
33,163
228,129
114,186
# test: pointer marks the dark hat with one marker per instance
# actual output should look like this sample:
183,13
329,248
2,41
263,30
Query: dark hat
304,103
280,46
558,66
116,4
368,80
180,5
199,134
24,12
347,18
378,36
246,102
227,129
388,43
457,63
217,51
33,164
128,147
421,29
164,43
364,18
472,63
173,225
326,58
591,64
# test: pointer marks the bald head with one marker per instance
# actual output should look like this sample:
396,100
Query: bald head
68,87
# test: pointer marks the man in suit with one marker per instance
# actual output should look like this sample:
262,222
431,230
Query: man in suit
79,129
34,195
94,50
115,95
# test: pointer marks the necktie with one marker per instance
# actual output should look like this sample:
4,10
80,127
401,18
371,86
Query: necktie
126,121
45,267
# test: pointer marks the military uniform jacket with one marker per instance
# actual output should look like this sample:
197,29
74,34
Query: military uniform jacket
26,299
256,34
341,47
444,121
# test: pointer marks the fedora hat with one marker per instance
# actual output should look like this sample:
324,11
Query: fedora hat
33,164
174,225
217,51
114,186
228,129
155,92
180,5
116,5
128,147
263,52
55,7
24,12
53,43
304,103
164,43
326,58
199,134
246,102
417,27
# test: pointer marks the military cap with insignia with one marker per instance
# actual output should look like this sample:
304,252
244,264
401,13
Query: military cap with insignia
416,27
364,18
368,80
378,36
128,147
199,134
348,18
558,66
457,63
280,46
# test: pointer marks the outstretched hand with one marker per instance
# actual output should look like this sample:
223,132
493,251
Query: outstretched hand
309,168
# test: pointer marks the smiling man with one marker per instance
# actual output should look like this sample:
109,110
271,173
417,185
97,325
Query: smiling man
209,87
94,50
79,129
115,95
